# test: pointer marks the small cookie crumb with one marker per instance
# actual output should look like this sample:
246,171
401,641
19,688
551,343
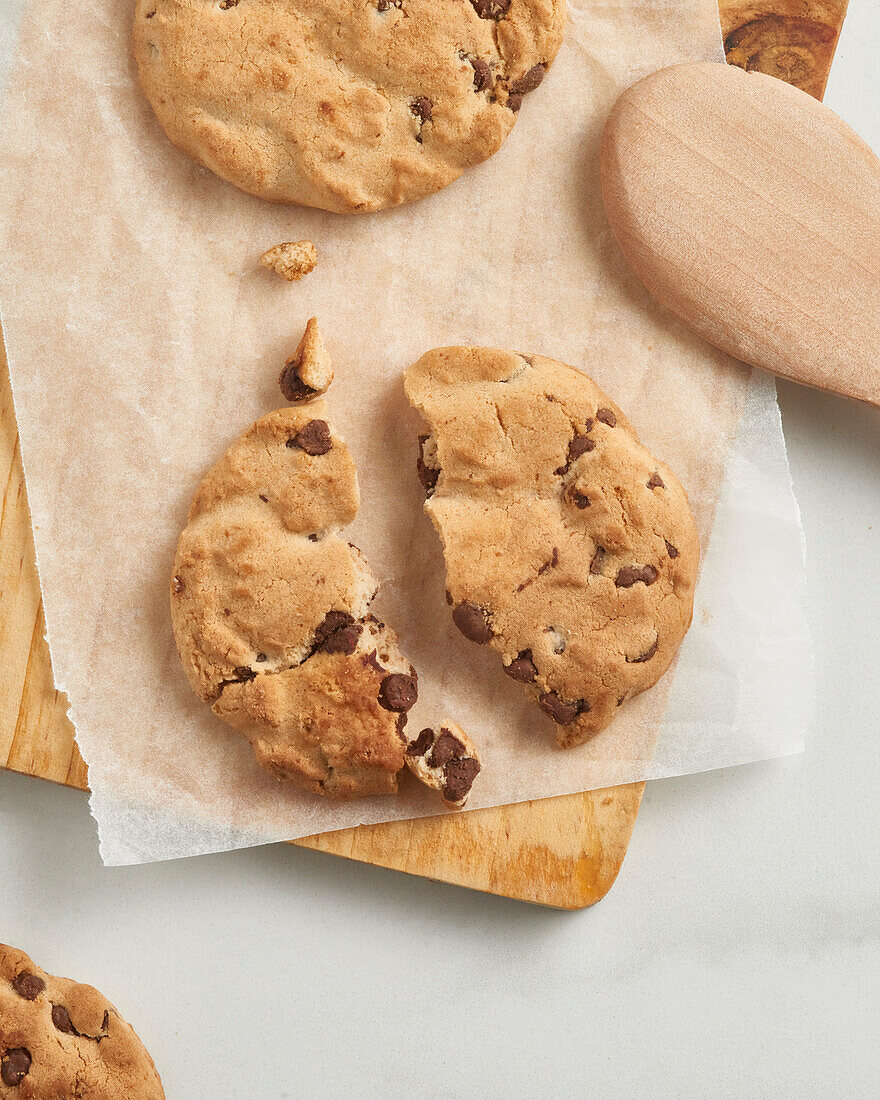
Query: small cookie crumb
291,259
447,761
309,371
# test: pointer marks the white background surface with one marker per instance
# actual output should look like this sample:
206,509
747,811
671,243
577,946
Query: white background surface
737,956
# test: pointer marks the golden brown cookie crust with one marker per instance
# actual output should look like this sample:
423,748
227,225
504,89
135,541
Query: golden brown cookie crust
569,548
60,1039
269,606
346,105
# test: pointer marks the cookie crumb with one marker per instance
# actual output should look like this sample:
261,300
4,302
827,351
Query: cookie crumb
309,371
291,259
447,761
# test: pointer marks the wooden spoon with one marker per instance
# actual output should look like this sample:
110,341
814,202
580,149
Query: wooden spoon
751,212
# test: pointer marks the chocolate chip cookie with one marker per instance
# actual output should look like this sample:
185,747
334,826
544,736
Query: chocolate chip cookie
341,105
269,606
446,760
569,548
60,1040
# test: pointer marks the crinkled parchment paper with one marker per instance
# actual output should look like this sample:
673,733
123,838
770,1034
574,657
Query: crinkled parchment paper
143,337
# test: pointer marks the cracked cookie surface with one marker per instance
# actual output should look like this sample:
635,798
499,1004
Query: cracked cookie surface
569,548
345,105
269,606
59,1039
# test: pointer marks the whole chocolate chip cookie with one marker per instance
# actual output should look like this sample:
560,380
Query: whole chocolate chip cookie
342,105
569,548
60,1040
270,611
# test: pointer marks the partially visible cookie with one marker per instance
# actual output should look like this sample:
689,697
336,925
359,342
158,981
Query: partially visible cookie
344,106
309,371
269,606
569,548
446,760
291,259
60,1040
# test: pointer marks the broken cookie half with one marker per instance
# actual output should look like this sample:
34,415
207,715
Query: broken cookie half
270,609
569,548
446,760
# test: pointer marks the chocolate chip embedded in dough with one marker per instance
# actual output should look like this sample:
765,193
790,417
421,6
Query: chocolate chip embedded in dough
314,438
578,498
562,711
242,673
15,1066
514,102
633,574
293,389
655,481
491,9
598,560
428,475
384,5
177,585
670,549
398,692
473,622
420,745
522,668
529,81
28,985
606,416
370,660
459,776
646,656
332,621
344,640
61,1020
482,74
422,108
447,747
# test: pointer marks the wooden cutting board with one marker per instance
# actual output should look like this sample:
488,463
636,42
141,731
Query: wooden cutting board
563,852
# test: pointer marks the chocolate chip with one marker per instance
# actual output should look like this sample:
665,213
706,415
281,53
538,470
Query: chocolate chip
514,102
370,661
260,658
598,560
560,710
422,108
177,586
580,444
529,81
28,985
670,549
401,723
61,1019
449,598
473,622
459,776
428,475
293,388
491,9
344,640
242,673
578,499
264,498
332,621
607,417
633,574
646,656
225,5
446,748
421,744
482,74
15,1066
398,692
314,537
314,438
522,668
384,5
655,481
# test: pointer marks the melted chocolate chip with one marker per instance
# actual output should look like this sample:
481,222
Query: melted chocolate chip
633,574
482,74
28,985
529,81
580,444
401,723
514,102
607,417
447,747
598,560
332,621
491,9
561,710
177,586
370,661
428,475
61,1019
473,622
422,108
646,656
459,776
421,744
655,481
314,438
15,1066
670,549
293,389
398,692
522,668
578,499
344,640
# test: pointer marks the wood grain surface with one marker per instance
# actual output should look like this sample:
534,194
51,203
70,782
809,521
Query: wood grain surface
563,852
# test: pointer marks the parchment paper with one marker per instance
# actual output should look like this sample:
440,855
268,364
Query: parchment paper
143,337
